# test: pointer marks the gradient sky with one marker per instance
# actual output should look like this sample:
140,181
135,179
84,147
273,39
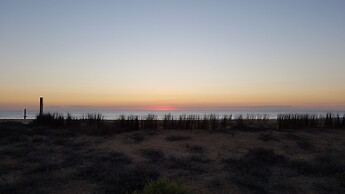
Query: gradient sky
178,54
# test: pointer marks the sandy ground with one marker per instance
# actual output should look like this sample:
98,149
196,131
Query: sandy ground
218,146
209,172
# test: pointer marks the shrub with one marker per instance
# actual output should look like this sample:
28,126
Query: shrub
341,179
188,164
253,170
195,148
323,165
128,179
177,138
49,119
305,145
153,155
137,137
163,186
267,137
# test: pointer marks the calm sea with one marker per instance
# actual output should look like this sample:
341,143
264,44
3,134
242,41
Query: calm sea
109,115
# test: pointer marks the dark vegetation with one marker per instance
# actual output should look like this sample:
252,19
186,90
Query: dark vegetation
153,155
259,167
195,148
124,123
46,155
189,165
302,121
139,136
47,159
305,145
267,137
91,122
177,138
163,186
254,169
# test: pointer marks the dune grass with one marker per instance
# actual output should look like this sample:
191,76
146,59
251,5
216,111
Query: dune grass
95,123
303,121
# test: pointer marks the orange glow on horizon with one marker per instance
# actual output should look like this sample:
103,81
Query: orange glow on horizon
154,100
161,108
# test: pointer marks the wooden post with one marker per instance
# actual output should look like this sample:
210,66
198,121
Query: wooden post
41,105
25,114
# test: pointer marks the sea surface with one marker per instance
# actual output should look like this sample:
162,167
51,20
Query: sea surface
110,115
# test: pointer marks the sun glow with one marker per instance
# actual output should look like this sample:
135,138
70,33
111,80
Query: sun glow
162,108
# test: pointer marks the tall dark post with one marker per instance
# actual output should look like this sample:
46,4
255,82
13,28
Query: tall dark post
41,105
25,114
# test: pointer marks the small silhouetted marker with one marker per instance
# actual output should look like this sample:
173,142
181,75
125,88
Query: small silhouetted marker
41,105
25,114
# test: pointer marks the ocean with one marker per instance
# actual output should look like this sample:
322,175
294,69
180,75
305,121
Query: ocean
115,114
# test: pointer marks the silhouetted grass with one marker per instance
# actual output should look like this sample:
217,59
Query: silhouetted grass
150,122
71,122
300,121
57,120
169,122
95,123
191,121
50,119
239,122
128,122
94,120
297,121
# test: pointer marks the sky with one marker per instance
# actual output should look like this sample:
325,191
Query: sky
172,55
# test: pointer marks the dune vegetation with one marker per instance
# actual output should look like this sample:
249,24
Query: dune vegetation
189,154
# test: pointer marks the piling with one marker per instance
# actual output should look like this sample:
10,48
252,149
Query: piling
41,105
25,114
